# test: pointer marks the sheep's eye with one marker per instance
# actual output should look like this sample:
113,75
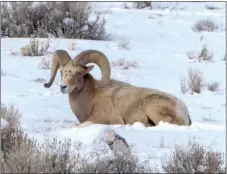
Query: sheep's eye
79,73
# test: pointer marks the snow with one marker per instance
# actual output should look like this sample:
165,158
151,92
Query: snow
159,41
4,123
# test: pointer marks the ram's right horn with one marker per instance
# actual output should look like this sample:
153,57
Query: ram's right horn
97,57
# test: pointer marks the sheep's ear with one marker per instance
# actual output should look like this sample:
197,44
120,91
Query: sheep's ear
88,69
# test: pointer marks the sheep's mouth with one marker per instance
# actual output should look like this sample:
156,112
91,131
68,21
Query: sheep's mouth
64,89
63,92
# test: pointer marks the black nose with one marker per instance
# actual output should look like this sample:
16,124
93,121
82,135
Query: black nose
63,87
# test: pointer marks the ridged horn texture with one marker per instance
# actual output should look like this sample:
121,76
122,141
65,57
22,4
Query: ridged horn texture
97,57
61,57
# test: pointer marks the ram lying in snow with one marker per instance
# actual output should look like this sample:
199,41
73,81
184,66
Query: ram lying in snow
108,101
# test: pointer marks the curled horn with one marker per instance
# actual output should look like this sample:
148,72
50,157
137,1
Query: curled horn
97,57
61,57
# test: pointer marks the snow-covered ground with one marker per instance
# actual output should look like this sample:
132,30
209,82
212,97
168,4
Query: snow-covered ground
159,41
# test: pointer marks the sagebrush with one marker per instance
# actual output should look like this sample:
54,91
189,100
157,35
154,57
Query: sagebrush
195,80
35,47
183,86
73,46
142,4
194,158
213,86
119,164
124,44
195,83
212,7
205,25
44,64
154,5
204,55
123,64
21,154
59,19
39,80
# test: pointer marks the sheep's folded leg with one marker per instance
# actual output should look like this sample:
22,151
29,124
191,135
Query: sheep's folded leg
81,125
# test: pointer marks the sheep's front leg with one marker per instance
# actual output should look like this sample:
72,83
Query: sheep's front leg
81,125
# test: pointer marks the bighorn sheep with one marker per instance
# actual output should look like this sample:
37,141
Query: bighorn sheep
108,101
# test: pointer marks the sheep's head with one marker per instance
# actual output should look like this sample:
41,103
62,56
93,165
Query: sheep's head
74,70
72,77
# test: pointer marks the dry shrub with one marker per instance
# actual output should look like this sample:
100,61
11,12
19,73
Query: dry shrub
213,86
58,19
211,7
183,86
28,156
57,157
154,5
14,75
203,55
35,48
154,16
142,4
164,5
44,64
12,131
195,80
205,25
161,142
120,164
124,44
18,153
73,46
21,154
125,5
39,80
194,158
11,115
123,64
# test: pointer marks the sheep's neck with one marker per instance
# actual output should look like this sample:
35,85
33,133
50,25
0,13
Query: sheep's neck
81,101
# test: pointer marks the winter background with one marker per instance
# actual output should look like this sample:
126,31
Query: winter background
158,41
